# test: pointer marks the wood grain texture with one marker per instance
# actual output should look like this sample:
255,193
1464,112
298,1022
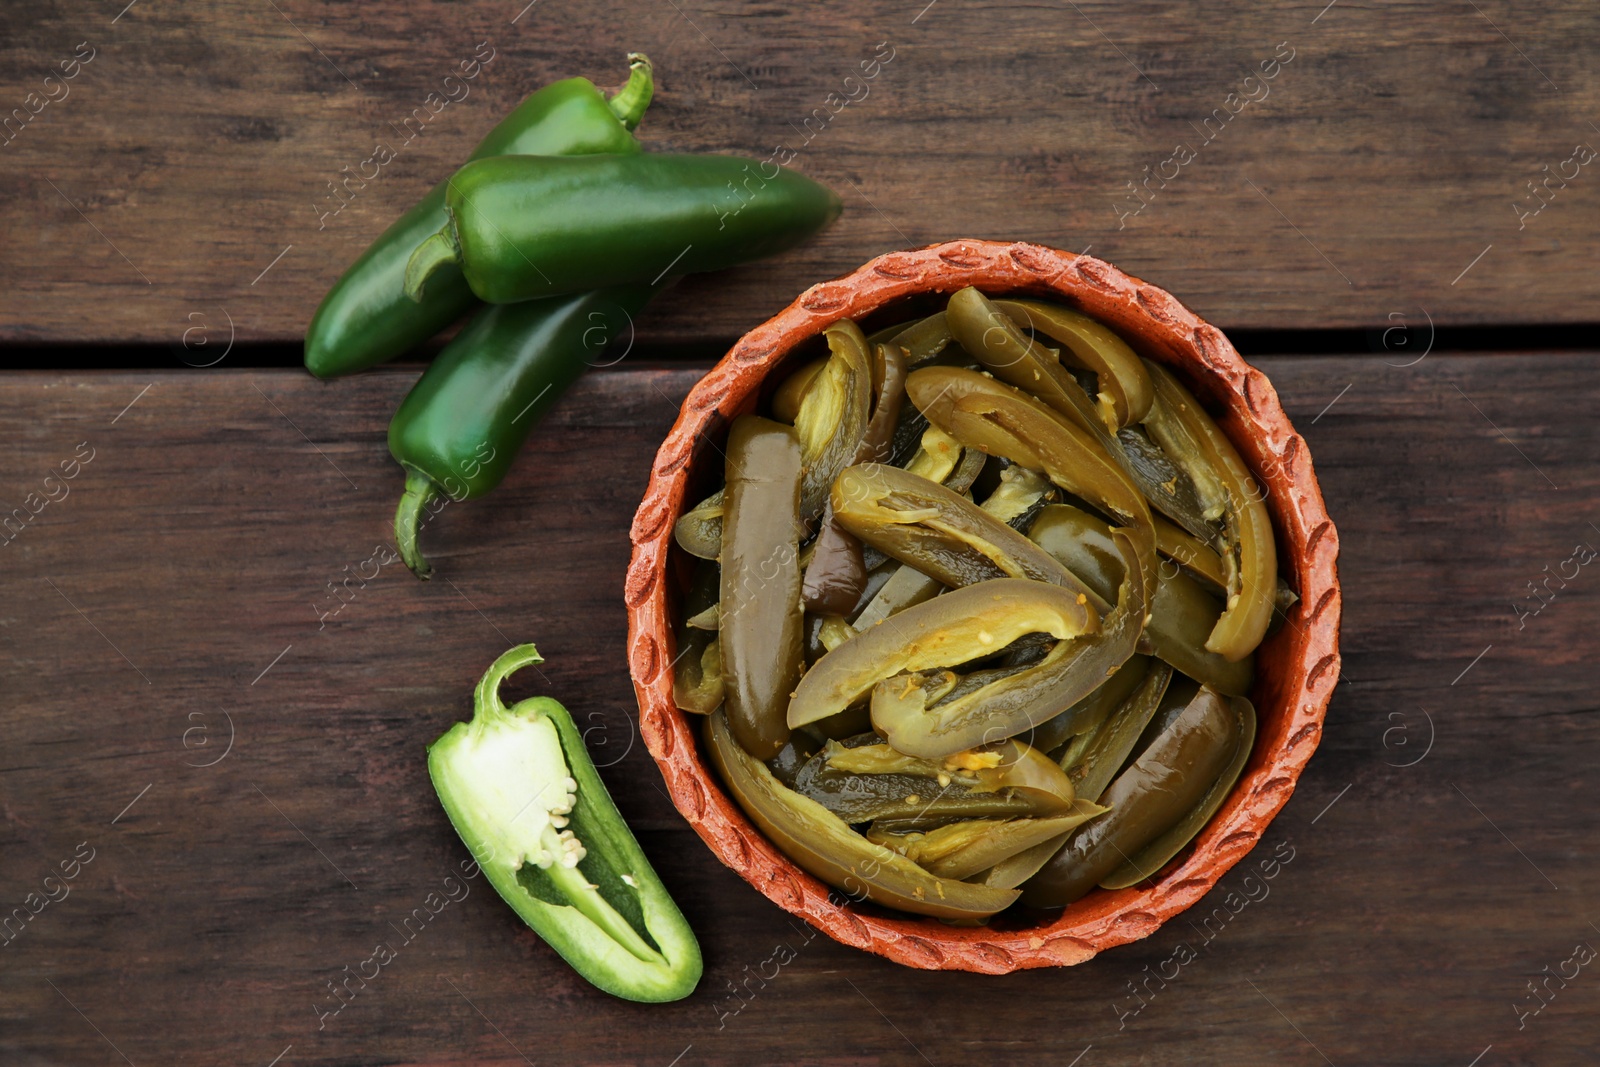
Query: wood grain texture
178,585
196,148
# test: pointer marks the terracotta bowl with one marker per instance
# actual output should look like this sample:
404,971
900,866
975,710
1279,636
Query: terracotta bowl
1297,667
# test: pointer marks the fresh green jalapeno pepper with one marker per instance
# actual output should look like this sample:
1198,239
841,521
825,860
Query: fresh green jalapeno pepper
931,713
760,637
523,227
961,849
462,424
1148,861
366,319
1125,390
939,533
823,844
520,789
1167,780
1182,613
1197,444
1002,421
954,628
837,574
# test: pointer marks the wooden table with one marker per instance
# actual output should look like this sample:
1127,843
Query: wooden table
239,746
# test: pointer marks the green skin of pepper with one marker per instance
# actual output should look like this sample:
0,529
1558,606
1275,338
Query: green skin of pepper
1182,612
617,960
1164,783
760,616
458,430
524,227
366,318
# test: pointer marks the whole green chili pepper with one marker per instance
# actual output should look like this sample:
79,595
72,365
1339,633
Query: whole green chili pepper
523,227
520,789
1198,445
461,426
823,844
366,319
1167,780
760,609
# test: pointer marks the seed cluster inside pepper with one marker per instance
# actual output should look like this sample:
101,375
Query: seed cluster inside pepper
973,617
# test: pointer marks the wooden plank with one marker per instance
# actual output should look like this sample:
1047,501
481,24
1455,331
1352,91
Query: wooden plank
173,599
185,178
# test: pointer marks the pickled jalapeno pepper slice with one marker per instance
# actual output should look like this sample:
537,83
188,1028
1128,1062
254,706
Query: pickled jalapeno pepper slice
760,615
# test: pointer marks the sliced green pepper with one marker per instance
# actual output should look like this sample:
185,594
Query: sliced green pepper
833,415
1087,714
1148,861
959,626
523,227
823,844
837,574
697,665
1182,613
962,849
699,530
1125,390
945,536
366,319
1002,421
930,713
1198,445
761,621
872,783
1147,799
521,791
1108,749
786,401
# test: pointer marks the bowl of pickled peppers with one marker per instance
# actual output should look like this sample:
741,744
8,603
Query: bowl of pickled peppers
983,607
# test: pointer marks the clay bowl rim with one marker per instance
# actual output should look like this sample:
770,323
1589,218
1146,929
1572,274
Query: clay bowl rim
1299,666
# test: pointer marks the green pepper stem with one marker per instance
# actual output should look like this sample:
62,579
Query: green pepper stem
486,700
630,101
420,492
430,255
